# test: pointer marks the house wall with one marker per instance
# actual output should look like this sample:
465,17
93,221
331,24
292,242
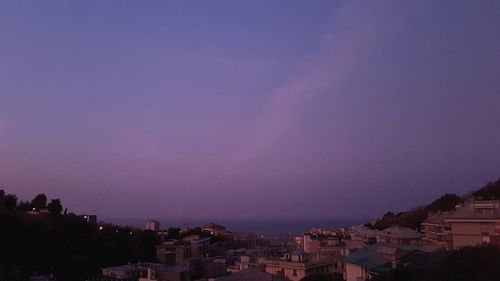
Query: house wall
355,272
311,245
438,235
470,233
287,270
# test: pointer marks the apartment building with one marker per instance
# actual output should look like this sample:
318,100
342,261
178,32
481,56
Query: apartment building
174,252
366,264
436,231
399,235
146,272
475,222
296,266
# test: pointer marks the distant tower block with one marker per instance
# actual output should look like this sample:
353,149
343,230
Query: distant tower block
153,225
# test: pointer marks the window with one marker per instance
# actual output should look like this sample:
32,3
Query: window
295,272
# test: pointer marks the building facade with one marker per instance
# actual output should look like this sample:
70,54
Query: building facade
474,223
436,231
296,266
175,252
399,235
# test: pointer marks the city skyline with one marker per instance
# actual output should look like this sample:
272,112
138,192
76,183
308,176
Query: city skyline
258,109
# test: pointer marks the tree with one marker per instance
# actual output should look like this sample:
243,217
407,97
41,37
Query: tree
68,247
24,206
55,207
174,233
469,263
444,203
10,202
414,218
490,191
39,202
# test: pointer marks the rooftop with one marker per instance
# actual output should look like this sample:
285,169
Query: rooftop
477,210
400,232
374,256
252,274
143,266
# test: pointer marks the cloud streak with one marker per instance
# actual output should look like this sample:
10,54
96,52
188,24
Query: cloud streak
354,32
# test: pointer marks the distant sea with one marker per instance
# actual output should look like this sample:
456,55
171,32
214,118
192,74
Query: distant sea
265,227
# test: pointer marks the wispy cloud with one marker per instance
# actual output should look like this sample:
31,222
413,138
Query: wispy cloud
355,30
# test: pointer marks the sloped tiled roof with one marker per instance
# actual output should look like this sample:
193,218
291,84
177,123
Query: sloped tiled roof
371,258
400,232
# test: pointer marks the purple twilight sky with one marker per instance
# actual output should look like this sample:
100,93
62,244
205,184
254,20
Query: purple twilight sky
248,109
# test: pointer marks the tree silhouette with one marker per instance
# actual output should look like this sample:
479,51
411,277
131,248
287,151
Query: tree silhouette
24,206
39,202
490,191
55,207
10,202
469,263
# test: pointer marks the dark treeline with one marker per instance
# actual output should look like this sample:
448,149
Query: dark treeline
490,191
414,218
37,236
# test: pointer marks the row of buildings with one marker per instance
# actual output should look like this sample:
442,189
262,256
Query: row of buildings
355,254
212,228
472,223
369,252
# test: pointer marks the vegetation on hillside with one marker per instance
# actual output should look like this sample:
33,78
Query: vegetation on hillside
37,236
414,218
490,191
177,234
